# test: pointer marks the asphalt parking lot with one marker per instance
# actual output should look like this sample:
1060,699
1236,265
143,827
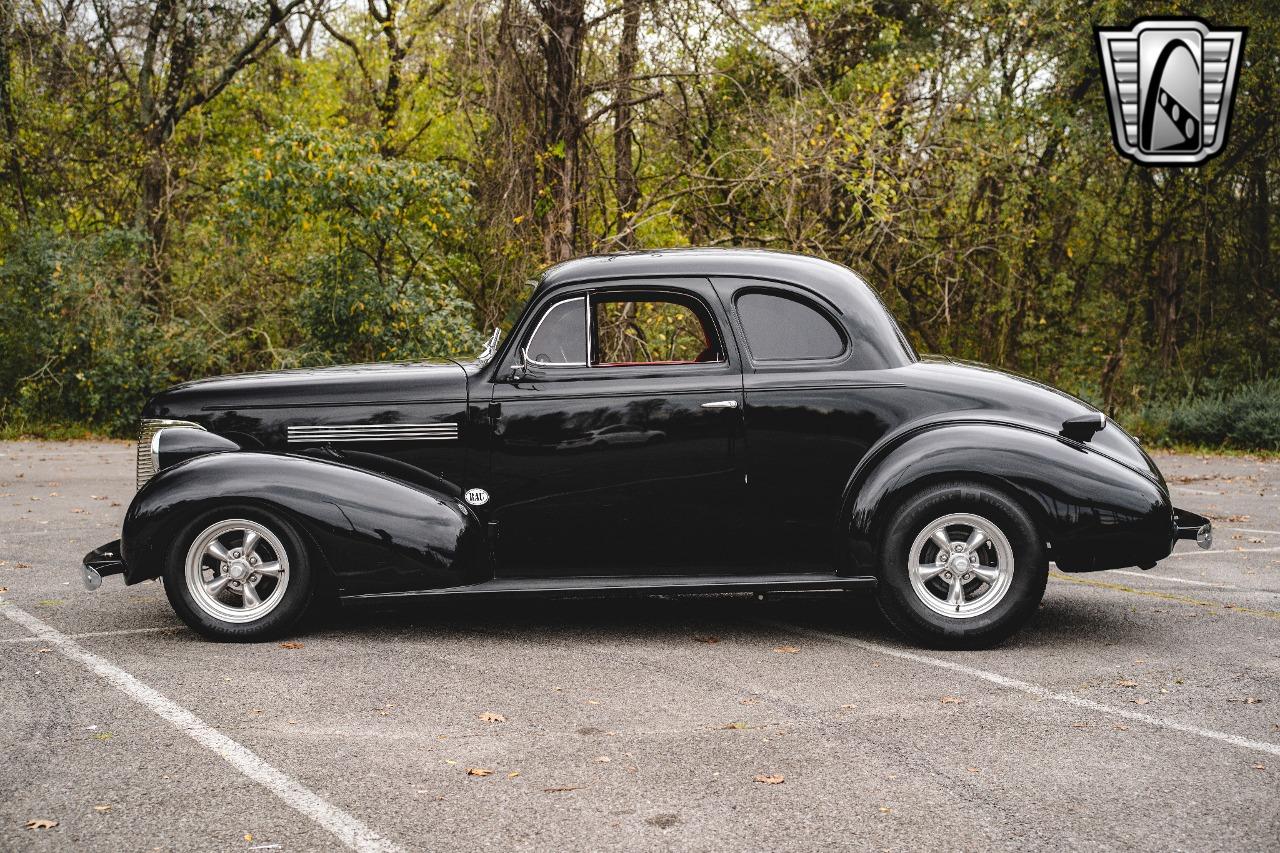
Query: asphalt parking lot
1138,710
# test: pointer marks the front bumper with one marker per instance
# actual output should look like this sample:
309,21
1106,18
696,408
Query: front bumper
100,562
1189,525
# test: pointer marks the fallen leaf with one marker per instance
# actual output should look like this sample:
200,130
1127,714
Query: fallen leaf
41,823
786,650
603,759
491,717
736,724
1141,701
1079,725
248,836
479,771
973,769
769,779
561,790
4,589
513,774
747,701
847,707
1124,682
885,810
1120,727
706,639
103,809
952,700
1247,700
1259,766
292,644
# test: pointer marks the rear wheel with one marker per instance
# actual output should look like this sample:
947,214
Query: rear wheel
961,566
239,573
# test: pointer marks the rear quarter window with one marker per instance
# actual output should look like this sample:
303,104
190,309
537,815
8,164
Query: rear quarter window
781,328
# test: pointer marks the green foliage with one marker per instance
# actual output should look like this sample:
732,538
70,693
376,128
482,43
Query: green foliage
377,242
1246,417
81,345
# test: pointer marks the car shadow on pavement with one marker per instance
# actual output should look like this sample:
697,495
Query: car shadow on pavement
1060,623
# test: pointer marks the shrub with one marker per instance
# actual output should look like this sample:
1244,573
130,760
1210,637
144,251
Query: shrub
1246,417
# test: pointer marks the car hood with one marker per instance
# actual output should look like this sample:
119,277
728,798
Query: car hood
352,384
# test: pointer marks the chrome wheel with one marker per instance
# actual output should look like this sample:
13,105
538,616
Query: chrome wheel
961,565
237,570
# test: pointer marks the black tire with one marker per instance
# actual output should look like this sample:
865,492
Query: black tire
285,613
905,607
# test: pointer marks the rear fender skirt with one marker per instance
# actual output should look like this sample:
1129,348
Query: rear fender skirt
375,533
1095,513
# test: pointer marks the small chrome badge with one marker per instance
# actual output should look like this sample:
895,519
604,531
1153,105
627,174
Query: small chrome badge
476,497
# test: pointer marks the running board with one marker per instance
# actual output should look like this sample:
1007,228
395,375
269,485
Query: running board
638,583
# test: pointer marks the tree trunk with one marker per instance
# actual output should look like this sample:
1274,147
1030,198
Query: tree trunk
626,188
561,50
13,165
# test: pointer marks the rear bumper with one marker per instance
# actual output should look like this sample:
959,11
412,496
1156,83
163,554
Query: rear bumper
1189,525
100,562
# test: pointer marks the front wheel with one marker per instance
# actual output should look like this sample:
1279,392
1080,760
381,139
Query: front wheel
962,566
238,573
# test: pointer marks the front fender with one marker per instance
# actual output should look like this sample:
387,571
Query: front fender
1093,511
374,532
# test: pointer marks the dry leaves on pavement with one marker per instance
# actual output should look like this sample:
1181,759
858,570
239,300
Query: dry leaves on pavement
41,823
951,700
769,778
1124,682
491,717
292,644
479,771
707,640
786,650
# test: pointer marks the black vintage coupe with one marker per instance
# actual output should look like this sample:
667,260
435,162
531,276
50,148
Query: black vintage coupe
694,420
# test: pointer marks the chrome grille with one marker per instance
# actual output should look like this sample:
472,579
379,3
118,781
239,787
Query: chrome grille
147,430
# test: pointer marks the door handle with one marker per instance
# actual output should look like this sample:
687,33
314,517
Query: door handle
721,404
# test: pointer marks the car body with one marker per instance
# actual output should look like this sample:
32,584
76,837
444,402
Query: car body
680,420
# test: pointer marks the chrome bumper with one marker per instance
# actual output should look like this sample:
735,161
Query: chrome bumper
1189,525
101,561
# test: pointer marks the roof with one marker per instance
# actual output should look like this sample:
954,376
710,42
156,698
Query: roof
837,284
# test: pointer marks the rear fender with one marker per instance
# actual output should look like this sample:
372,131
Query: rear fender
1094,512
375,533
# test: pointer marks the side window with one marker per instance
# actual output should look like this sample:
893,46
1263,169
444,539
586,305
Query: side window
780,328
657,329
561,336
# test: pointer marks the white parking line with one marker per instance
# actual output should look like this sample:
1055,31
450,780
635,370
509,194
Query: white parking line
121,633
1037,690
1251,530
346,828
1222,551
1167,578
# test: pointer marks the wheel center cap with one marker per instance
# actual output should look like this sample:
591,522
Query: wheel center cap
960,564
239,570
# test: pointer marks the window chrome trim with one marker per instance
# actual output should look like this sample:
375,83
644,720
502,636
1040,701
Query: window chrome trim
586,313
